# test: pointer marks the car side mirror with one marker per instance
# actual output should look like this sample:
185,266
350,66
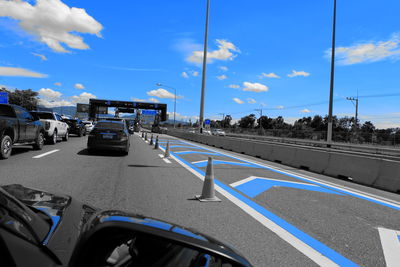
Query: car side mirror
115,238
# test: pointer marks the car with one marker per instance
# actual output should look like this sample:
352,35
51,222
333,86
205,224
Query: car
54,126
207,132
109,135
18,127
218,132
76,126
88,126
191,130
38,228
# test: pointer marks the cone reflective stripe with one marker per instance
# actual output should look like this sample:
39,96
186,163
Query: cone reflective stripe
166,155
156,145
151,140
145,137
208,193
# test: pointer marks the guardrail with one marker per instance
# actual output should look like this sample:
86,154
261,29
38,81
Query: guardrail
372,171
380,150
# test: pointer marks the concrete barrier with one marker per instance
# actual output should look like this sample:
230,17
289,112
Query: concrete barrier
389,176
371,171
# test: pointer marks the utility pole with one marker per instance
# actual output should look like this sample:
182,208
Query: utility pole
356,105
329,133
203,80
261,128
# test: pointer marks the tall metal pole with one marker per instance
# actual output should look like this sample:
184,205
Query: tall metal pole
174,107
203,81
329,134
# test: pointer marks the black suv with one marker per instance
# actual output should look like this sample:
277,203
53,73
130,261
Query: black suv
76,126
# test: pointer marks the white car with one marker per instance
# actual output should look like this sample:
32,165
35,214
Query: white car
218,132
54,126
88,126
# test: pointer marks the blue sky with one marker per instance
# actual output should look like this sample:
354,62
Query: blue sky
121,49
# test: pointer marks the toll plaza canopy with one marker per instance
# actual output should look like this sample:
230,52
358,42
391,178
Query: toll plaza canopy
125,106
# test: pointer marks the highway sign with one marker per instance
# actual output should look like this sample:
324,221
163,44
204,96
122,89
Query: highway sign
149,112
207,122
3,98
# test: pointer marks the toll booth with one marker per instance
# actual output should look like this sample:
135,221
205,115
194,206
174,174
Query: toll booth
95,105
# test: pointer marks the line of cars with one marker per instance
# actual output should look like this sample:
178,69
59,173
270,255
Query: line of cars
19,126
218,132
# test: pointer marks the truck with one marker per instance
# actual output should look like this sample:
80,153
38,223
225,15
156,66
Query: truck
18,127
55,126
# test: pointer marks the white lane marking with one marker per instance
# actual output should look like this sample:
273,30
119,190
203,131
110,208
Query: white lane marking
167,160
161,155
248,179
194,162
45,154
311,253
390,245
313,179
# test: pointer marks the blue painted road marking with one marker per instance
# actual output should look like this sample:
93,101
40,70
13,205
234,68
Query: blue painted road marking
217,162
315,244
196,152
258,185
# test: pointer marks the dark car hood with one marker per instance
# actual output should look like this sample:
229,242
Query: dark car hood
72,218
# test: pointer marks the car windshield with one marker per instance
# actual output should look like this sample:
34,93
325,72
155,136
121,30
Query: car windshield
45,115
286,113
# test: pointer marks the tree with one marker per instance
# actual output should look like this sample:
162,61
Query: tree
317,123
367,130
226,122
24,98
247,121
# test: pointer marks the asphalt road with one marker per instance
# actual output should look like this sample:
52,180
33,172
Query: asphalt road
274,215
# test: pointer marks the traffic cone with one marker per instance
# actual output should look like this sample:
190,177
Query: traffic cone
151,140
145,137
156,145
208,193
166,155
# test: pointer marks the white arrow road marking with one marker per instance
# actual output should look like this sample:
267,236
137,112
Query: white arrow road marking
45,154
248,179
390,245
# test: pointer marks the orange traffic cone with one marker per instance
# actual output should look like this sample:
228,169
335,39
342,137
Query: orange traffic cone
208,193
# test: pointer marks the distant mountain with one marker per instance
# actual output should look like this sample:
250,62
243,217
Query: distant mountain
69,111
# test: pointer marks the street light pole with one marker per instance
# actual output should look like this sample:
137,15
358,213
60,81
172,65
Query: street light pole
329,134
203,80
160,84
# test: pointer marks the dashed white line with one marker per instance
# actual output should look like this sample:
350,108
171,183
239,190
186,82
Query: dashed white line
167,160
194,162
45,154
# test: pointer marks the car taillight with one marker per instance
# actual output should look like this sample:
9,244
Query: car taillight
47,125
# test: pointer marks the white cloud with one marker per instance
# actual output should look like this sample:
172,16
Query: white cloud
162,93
368,51
11,71
234,86
49,93
185,75
263,104
280,107
57,84
223,68
195,73
151,99
154,100
54,103
237,100
82,98
79,86
269,75
298,73
255,87
42,57
224,52
52,22
222,77
251,101
305,110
